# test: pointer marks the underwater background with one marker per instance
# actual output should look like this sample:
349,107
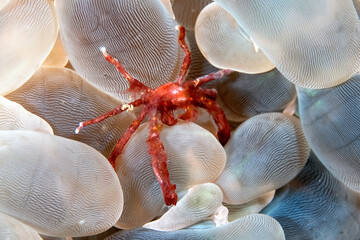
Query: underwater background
290,170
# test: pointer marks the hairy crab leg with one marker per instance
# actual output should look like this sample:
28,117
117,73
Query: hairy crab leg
159,161
115,111
218,115
135,85
208,78
187,59
208,92
126,136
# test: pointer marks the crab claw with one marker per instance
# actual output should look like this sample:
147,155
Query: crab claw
81,125
170,197
224,136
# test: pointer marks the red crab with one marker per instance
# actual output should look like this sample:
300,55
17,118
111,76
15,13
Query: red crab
160,105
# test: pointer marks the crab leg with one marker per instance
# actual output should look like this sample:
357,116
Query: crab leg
210,77
208,92
159,161
115,111
135,85
187,59
126,136
218,115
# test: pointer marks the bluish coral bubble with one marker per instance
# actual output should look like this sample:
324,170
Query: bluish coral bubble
315,205
330,119
246,95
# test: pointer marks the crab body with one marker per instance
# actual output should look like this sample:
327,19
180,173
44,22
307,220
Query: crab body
169,97
162,105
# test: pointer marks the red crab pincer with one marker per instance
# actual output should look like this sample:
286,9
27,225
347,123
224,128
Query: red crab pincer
160,104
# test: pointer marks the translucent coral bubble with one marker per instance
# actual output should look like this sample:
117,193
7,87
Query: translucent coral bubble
194,156
357,6
246,95
220,217
331,122
263,154
313,44
315,205
57,56
14,117
4,3
28,30
251,207
187,11
141,34
200,202
12,229
63,99
225,44
57,186
167,5
251,227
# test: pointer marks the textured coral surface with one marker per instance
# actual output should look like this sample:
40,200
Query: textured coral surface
291,168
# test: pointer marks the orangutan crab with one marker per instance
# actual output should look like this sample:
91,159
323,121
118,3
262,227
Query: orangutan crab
163,101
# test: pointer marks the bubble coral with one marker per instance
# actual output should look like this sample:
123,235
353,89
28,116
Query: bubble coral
28,32
251,227
242,96
264,153
331,122
51,188
14,117
225,44
10,228
60,95
142,32
186,11
189,165
199,203
314,45
251,207
162,105
315,205
57,57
